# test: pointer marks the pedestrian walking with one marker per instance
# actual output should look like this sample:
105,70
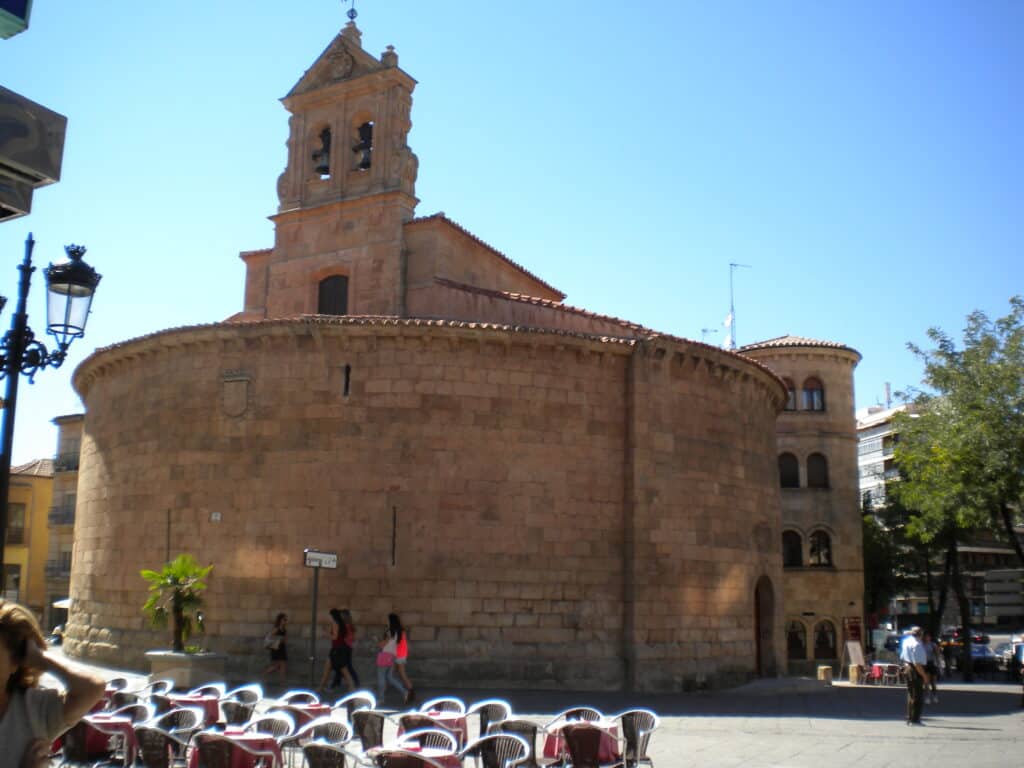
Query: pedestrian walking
276,641
913,657
401,658
386,659
31,717
339,661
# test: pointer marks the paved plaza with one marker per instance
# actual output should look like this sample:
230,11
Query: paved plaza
797,722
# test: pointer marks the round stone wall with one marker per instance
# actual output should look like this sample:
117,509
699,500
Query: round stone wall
542,509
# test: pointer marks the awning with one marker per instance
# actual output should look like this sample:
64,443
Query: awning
64,602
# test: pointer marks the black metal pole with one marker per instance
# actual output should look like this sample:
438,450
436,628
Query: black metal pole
312,629
12,369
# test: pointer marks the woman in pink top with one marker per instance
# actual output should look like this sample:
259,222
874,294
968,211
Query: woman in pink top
401,656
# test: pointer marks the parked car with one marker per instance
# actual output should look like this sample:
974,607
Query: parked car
1004,655
984,659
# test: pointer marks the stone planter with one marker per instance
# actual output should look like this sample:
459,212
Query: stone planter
187,670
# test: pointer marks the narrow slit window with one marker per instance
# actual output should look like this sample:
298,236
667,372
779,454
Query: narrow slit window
322,156
348,381
363,148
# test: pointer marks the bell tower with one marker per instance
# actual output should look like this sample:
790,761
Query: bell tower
348,188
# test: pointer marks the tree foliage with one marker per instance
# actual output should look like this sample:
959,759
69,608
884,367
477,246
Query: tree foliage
175,593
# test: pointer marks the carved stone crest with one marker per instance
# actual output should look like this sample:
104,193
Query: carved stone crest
234,393
340,64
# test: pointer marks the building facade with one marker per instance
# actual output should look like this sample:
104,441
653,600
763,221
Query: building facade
62,517
823,576
25,548
547,496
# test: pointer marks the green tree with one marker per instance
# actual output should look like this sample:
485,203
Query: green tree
175,592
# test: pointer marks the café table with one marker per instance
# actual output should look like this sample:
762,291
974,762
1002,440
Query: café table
608,746
101,727
307,713
209,704
437,754
258,742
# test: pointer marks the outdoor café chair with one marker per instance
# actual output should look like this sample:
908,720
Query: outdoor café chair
417,721
498,750
157,686
583,740
368,725
75,751
588,714
237,712
117,683
299,696
490,711
159,748
218,751
321,755
247,694
119,699
278,725
637,726
355,700
209,689
402,758
525,729
161,702
137,713
444,704
428,737
324,730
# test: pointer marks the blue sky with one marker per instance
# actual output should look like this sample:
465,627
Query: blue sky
866,158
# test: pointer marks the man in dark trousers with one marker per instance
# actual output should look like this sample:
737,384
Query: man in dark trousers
913,657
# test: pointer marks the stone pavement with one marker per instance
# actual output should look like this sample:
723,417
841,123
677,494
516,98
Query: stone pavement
798,722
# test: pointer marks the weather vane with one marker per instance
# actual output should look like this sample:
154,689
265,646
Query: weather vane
352,12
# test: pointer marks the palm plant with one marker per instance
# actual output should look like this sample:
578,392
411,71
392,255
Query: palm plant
175,591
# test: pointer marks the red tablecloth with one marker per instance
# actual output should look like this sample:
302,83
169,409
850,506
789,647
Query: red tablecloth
209,704
607,749
260,742
102,727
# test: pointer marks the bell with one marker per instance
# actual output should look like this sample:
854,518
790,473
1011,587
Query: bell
321,162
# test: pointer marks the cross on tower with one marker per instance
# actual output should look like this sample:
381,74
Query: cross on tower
352,13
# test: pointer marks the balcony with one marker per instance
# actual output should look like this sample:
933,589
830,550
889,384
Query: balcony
62,515
57,570
66,462
15,535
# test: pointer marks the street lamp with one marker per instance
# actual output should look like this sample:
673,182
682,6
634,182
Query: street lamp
70,288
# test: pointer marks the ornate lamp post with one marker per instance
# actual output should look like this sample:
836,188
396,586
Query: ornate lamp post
70,287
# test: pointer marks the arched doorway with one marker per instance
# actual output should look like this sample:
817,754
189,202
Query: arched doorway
764,623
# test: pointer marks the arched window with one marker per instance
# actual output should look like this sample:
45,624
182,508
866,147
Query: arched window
792,549
824,640
821,549
817,471
796,640
322,155
333,296
363,146
789,471
814,395
790,394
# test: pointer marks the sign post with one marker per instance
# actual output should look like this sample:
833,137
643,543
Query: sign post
316,560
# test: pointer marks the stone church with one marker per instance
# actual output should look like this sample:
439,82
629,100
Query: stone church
547,496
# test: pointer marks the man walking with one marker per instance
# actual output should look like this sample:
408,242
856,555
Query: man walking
912,654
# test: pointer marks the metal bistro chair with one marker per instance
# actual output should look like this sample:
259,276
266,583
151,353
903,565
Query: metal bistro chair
891,674
247,694
182,723
368,725
490,711
583,745
417,721
498,750
637,726
444,704
237,712
159,748
401,758
278,725
525,729
323,730
355,700
75,752
298,697
428,737
217,751
321,755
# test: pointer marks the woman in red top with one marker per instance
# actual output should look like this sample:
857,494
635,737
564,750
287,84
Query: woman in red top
343,638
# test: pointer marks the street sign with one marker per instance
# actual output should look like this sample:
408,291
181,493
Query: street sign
317,559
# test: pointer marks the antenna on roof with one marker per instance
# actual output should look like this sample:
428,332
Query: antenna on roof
704,333
730,319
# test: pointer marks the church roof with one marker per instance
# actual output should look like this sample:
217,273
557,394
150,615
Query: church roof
37,468
455,225
795,341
